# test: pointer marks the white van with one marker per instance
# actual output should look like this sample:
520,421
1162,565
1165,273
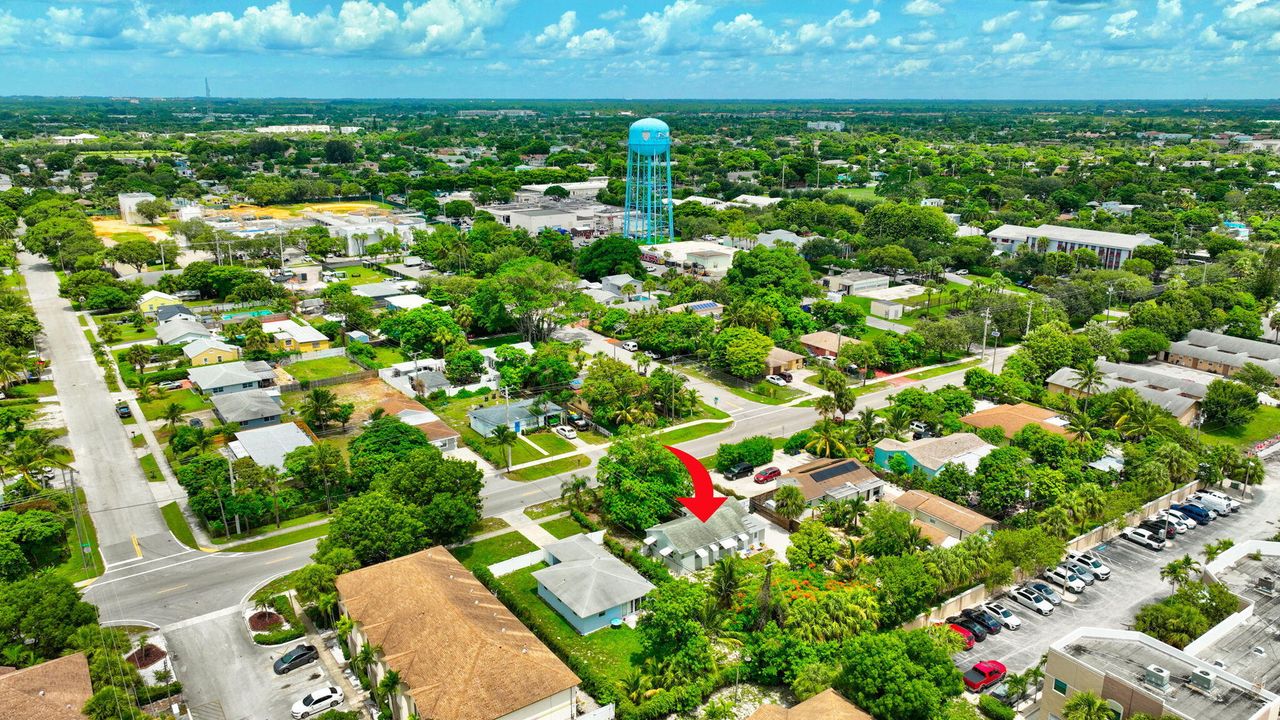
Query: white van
1217,503
1230,501
412,261
630,346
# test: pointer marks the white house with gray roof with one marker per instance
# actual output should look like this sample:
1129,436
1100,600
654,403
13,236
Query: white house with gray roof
520,416
181,331
269,445
687,544
1179,396
231,377
249,409
587,585
1112,248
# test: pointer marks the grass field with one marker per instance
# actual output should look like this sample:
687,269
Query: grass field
484,553
363,276
611,652
270,527
127,332
1264,425
862,193
563,527
489,524
935,372
73,568
309,370
386,356
283,539
591,437
151,468
188,400
178,525
693,432
545,509
552,443
495,341
44,388
549,468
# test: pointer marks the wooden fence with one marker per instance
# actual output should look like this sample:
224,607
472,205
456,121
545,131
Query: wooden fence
758,507
326,382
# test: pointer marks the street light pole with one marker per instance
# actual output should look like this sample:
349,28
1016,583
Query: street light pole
995,339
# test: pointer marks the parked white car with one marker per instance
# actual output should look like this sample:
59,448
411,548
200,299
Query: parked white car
1143,538
1178,523
1065,579
1032,599
776,380
1004,615
1091,561
566,432
1186,519
317,701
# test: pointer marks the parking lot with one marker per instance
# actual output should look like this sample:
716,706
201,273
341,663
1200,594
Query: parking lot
218,662
1135,581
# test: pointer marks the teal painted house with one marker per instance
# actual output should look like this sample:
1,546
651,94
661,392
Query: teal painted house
930,454
587,585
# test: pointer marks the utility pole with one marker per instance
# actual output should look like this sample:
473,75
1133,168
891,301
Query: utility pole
163,265
995,336
231,469
986,323
1030,305
70,477
1111,288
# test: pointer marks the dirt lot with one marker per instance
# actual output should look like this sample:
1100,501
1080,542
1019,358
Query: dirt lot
365,394
106,227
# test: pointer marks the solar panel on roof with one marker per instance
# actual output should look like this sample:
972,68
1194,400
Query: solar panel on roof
703,305
836,470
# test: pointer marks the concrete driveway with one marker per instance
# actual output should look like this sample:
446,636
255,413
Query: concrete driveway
1135,581
219,663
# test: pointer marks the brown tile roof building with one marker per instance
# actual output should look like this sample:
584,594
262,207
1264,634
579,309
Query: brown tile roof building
827,705
460,652
825,343
1012,418
54,690
820,477
930,509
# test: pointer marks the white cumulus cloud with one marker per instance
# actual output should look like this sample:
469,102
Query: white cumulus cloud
924,8
1016,42
1000,22
1071,22
559,30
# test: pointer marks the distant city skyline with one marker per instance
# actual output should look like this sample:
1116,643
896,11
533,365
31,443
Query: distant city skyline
709,49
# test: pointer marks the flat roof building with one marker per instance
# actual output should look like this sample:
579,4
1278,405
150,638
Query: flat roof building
1112,248
1222,354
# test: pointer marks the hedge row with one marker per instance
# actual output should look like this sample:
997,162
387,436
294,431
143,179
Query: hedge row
295,630
583,520
594,684
755,451
653,570
994,709
682,699
148,694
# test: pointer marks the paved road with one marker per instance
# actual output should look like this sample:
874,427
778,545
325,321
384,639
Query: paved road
128,522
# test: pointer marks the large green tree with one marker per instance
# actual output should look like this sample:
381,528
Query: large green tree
610,255
899,675
640,481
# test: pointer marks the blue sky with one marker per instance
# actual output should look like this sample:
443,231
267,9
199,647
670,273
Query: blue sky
1034,49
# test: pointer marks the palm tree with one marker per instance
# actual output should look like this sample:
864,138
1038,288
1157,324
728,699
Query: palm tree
790,502
1180,571
1134,417
827,441
256,339
1275,326
389,685
576,493
1214,549
1181,463
826,406
172,414
32,455
138,356
1087,706
271,483
109,333
637,687
1056,522
504,437
726,580
1092,499
1089,379
845,400
1081,426
867,428
318,406
897,422
13,367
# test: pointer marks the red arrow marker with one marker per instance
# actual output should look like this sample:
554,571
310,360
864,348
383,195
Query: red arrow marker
704,502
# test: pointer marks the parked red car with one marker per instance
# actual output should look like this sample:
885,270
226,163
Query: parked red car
767,474
984,674
964,633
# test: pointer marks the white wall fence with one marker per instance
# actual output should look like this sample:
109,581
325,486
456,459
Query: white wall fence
506,567
600,713
313,355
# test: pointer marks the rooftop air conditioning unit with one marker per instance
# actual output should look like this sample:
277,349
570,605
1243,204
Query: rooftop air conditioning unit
1219,664
1267,584
1157,677
1203,679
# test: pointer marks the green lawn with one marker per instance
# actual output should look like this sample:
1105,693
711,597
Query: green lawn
563,527
545,509
151,468
1265,424
547,469
613,653
778,395
495,340
357,275
857,193
935,372
189,400
552,443
283,539
489,524
309,370
386,356
484,553
270,527
44,388
693,432
177,523
592,437
73,568
127,331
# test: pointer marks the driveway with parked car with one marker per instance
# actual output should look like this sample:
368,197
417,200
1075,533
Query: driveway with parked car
1133,581
247,685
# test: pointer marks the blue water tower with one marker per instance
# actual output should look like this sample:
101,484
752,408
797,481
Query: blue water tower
647,214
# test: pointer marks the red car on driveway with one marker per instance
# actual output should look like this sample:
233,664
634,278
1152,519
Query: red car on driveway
984,674
767,474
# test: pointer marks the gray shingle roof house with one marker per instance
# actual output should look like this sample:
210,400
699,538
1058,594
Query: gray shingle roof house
180,332
1179,396
250,409
231,377
1222,354
622,284
518,416
165,313
587,585
687,544
269,445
